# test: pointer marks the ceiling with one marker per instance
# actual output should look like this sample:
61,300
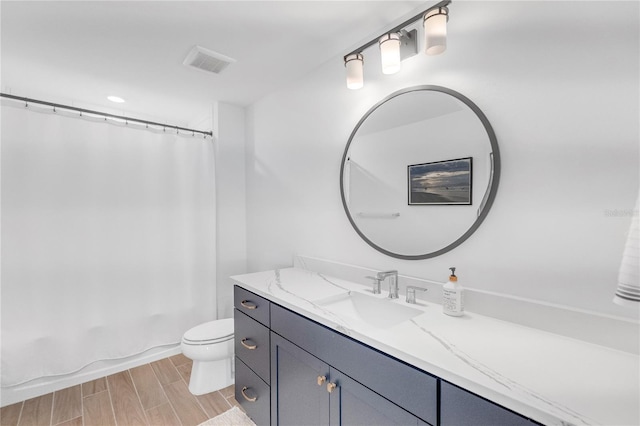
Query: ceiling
80,52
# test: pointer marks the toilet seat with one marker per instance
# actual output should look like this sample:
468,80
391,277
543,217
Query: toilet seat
209,333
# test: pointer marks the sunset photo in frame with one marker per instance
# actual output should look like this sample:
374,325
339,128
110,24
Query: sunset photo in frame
441,183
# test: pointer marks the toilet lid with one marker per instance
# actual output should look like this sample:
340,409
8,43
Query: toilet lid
212,330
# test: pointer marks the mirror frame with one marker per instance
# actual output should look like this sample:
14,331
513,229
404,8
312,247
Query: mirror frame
489,195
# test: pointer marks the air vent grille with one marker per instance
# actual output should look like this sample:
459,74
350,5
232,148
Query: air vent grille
207,60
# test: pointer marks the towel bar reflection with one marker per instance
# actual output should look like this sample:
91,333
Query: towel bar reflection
378,215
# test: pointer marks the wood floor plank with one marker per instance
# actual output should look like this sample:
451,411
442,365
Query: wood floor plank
185,372
185,404
10,414
126,405
165,371
67,404
213,403
162,415
37,411
180,359
149,388
94,386
229,391
73,422
97,410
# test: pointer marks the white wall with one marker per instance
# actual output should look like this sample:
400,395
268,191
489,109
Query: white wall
231,238
559,84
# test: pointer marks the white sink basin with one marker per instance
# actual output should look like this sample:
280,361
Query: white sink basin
370,310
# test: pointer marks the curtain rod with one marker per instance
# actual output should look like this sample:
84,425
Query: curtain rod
103,114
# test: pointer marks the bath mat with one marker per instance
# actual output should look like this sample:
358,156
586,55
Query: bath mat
232,417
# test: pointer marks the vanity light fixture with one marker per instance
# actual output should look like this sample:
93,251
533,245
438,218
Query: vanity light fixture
435,30
390,53
399,44
355,76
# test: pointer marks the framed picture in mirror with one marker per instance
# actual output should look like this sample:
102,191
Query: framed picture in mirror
446,182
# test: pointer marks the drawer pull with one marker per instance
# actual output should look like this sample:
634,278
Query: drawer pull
321,380
248,398
248,305
331,387
248,346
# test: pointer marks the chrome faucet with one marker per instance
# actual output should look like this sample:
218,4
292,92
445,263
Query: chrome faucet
411,293
393,282
376,284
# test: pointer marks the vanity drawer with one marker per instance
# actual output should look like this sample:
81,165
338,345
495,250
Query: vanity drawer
410,388
253,394
252,344
251,304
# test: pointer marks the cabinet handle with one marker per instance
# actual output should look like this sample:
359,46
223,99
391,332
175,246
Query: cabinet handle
331,387
249,346
321,380
250,399
249,305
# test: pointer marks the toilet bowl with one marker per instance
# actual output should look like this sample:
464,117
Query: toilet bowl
210,346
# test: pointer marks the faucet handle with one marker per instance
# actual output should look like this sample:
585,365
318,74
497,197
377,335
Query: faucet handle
383,274
411,293
376,284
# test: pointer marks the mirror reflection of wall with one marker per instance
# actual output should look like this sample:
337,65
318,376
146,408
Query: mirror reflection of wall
414,127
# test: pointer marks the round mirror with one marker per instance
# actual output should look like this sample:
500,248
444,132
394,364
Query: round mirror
419,172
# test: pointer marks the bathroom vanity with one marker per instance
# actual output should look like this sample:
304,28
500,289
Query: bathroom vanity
312,349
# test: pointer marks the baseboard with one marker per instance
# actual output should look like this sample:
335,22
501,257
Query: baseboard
606,330
98,369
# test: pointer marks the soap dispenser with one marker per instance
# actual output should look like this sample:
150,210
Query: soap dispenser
452,296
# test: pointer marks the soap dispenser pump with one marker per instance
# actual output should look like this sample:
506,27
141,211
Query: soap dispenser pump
452,296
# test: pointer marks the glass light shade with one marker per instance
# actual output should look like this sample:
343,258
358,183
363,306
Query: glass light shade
355,75
390,53
435,30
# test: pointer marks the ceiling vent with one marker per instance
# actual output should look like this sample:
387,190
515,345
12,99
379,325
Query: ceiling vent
207,60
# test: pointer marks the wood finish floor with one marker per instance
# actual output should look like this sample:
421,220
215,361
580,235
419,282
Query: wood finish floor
151,394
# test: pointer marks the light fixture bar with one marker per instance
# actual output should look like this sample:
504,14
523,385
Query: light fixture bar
397,28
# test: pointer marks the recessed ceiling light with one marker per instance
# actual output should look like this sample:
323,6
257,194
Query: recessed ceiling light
115,99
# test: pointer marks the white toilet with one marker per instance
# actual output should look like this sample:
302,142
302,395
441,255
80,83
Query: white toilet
210,346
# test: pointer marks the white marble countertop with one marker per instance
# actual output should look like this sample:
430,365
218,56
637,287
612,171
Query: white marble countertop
552,379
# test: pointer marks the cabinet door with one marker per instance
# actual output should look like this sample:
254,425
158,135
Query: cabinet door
352,404
299,393
461,408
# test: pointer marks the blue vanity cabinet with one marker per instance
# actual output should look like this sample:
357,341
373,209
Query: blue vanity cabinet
369,387
252,360
307,391
291,370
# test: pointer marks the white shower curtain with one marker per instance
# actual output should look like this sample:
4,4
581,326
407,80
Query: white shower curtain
108,241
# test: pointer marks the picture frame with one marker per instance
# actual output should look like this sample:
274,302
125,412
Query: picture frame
448,182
